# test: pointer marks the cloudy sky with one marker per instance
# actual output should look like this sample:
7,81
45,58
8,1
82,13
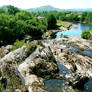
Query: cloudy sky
63,4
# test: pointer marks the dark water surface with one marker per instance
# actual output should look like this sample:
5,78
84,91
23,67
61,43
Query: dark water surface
55,85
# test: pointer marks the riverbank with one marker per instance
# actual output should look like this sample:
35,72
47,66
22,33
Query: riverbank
62,26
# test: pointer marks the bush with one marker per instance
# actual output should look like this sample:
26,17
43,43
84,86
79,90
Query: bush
51,21
18,44
86,34
31,47
2,87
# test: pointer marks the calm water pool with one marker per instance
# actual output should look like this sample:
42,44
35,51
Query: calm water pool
76,31
88,86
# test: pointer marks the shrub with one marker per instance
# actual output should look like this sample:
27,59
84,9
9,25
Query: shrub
18,44
31,47
65,36
1,87
86,34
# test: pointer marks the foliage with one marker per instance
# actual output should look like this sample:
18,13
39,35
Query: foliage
23,15
18,44
2,87
2,11
51,21
63,23
12,10
86,34
89,17
16,24
10,28
65,36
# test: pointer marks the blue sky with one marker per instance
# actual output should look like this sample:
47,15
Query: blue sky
63,4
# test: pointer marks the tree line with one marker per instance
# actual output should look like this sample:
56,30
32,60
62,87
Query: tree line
72,16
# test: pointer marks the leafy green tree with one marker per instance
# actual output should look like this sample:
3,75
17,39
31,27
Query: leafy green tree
83,17
23,15
2,11
89,17
12,10
51,20
10,28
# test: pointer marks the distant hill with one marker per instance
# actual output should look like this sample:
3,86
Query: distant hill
44,8
4,7
79,9
51,8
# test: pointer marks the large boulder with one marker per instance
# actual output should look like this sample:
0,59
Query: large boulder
14,56
5,50
40,64
34,83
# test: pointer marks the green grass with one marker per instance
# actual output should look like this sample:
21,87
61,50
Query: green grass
63,23
17,44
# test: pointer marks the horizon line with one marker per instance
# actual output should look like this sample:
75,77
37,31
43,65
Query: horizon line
43,6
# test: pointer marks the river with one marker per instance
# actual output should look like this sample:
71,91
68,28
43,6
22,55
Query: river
55,85
75,31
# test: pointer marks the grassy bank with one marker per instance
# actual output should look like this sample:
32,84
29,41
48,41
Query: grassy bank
63,23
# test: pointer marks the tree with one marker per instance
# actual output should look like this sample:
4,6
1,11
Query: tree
12,10
51,20
2,11
83,17
89,17
23,15
10,28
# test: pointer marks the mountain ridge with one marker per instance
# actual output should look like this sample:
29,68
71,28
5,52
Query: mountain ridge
44,8
51,8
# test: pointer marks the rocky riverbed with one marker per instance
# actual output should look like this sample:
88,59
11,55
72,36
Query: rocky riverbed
46,66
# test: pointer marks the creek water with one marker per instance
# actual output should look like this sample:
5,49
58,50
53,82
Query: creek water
75,31
55,85
84,52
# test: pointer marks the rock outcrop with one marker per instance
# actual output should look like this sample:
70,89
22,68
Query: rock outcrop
26,68
41,63
79,63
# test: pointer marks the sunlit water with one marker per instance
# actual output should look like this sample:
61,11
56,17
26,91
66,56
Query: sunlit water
75,31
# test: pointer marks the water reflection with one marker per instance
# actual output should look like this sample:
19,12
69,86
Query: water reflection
88,86
62,69
54,85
